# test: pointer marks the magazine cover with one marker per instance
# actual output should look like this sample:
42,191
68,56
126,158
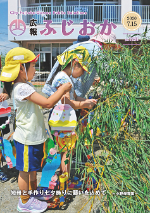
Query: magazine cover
74,106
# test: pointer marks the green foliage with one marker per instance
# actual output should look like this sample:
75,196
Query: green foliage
2,60
49,143
123,121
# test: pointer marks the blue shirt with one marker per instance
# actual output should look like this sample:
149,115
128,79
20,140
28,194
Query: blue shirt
83,83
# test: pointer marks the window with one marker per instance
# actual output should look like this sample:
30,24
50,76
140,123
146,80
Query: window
58,49
58,2
108,1
63,47
39,1
42,1
72,2
55,52
45,47
32,1
145,2
87,2
45,1
135,2
44,62
48,56
104,1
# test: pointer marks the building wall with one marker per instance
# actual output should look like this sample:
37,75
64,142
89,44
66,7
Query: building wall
119,31
51,45
23,3
126,6
13,5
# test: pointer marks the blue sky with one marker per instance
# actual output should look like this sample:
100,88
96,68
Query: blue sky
5,45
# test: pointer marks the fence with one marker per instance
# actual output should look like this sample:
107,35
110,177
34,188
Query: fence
39,80
94,13
143,11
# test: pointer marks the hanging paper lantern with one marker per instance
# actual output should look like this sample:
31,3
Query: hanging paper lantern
63,118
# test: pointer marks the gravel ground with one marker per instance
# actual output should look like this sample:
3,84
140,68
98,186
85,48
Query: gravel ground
8,202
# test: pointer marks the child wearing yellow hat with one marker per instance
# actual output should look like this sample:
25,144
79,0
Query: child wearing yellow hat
30,132
74,63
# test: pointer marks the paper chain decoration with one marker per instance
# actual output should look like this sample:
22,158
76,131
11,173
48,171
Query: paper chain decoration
3,126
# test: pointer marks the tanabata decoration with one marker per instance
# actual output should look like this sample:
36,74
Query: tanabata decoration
3,126
49,170
9,153
4,109
9,162
53,182
52,163
1,143
63,117
1,149
63,122
52,153
120,143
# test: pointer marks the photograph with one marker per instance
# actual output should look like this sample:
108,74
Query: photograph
75,106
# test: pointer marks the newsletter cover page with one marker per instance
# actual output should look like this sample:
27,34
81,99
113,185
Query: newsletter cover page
74,106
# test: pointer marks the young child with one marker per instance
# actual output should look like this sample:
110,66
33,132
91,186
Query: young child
3,103
74,63
30,132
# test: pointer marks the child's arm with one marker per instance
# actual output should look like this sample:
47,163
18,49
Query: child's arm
53,99
84,103
77,98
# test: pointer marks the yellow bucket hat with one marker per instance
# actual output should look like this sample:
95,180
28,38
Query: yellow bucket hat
80,53
13,59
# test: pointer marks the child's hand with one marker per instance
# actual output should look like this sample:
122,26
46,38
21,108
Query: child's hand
3,97
66,87
93,100
90,103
